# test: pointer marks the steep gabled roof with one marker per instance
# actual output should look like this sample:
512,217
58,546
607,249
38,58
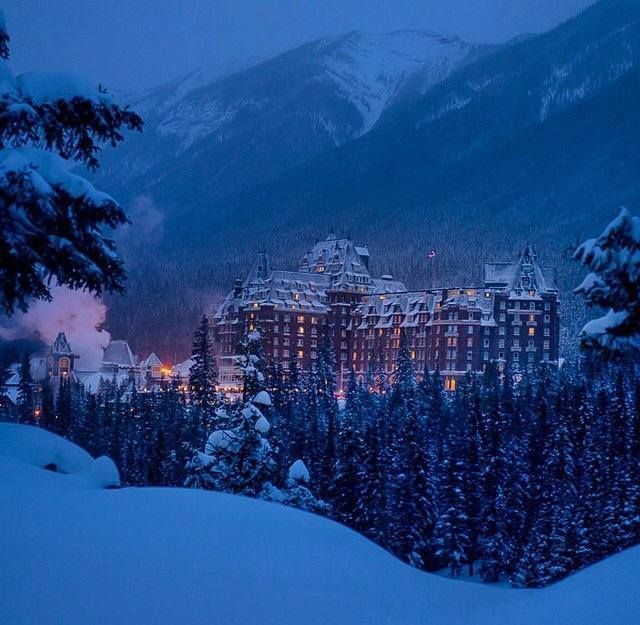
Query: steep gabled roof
61,345
523,274
151,360
119,353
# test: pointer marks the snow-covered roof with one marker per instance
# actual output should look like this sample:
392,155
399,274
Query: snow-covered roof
524,274
61,345
119,353
151,360
182,369
331,264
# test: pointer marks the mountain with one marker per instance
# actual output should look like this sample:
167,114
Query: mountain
533,140
218,129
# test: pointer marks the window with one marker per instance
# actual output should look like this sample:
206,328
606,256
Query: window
450,384
470,330
531,356
300,318
469,355
501,343
485,356
547,305
516,331
516,356
300,353
469,342
486,343
64,366
547,332
532,331
503,317
503,305
547,318
516,342
545,345
501,331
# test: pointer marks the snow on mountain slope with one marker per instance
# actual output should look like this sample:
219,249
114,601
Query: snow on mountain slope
166,556
368,70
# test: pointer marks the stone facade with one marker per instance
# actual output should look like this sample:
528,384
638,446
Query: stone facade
512,319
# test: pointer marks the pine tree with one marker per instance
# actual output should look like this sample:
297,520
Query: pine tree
614,261
25,391
44,133
452,532
203,375
239,458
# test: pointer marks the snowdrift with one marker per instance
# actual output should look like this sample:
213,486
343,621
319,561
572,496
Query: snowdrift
31,456
165,556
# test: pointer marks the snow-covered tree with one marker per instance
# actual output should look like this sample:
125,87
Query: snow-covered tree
238,458
296,491
249,360
613,284
53,222
203,374
25,391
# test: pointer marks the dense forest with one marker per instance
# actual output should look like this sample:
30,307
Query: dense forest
522,478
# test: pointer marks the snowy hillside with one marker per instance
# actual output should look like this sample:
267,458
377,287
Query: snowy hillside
286,110
365,70
166,556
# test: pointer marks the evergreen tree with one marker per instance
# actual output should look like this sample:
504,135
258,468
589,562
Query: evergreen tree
614,261
203,374
25,391
43,135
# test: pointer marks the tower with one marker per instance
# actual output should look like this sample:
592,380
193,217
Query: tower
61,359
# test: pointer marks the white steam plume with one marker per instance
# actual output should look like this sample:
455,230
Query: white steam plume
76,313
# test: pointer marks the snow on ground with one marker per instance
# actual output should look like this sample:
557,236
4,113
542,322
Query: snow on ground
25,450
168,556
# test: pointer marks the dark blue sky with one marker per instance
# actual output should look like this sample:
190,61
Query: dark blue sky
133,44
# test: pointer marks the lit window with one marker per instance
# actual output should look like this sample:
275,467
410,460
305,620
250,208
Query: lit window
64,366
532,331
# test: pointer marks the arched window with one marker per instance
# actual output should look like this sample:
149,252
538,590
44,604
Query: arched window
64,366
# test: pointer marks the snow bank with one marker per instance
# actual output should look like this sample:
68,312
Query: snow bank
165,556
31,456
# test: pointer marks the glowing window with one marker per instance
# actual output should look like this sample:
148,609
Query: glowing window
64,366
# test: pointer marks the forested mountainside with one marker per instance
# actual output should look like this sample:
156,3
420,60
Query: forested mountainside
536,140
